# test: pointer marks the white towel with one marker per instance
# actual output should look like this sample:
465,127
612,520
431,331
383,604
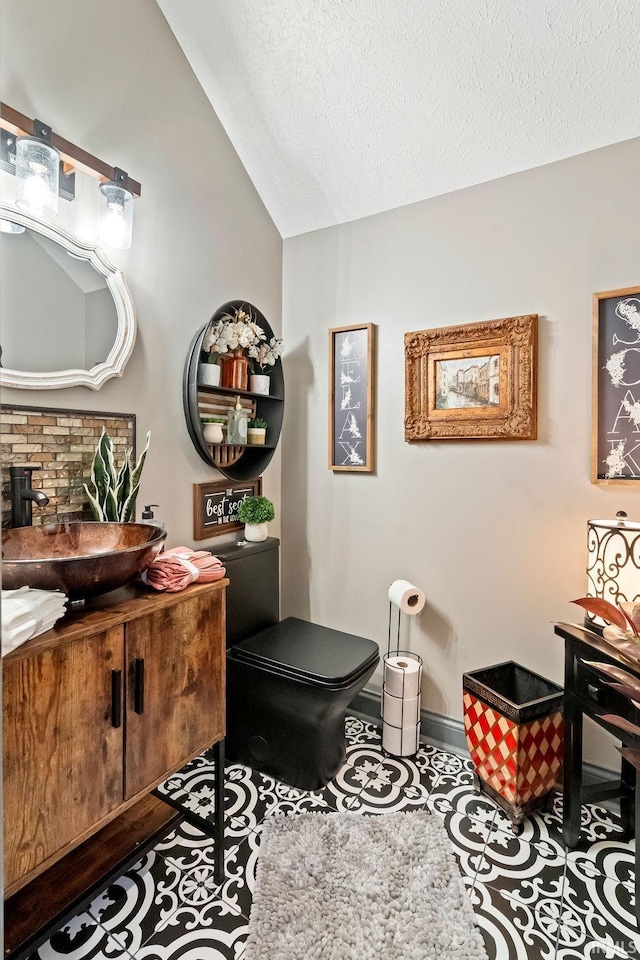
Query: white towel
27,612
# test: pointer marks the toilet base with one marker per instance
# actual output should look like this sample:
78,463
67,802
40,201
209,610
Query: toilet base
285,727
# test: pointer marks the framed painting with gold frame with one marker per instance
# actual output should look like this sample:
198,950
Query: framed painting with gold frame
616,387
474,381
352,398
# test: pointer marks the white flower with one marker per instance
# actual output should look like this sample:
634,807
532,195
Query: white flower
233,332
266,354
615,460
615,367
209,339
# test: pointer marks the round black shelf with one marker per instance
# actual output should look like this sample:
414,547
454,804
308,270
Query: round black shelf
253,460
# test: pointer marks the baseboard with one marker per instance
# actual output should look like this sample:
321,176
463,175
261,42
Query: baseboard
449,735
441,731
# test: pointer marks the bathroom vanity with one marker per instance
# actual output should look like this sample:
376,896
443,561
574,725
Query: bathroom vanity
96,713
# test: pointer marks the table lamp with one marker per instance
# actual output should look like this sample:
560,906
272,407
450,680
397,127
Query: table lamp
613,564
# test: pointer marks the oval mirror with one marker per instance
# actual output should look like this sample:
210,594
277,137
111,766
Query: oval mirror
67,317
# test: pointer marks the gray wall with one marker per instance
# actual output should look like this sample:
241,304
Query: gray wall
494,532
113,80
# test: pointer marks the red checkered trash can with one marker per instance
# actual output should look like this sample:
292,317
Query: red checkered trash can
514,730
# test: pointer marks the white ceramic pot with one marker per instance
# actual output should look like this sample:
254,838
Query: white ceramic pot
256,436
209,374
259,383
212,432
255,532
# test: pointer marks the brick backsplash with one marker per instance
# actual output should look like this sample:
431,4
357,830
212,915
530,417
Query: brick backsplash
62,444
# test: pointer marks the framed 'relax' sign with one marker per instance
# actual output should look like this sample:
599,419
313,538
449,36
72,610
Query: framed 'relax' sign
352,398
616,386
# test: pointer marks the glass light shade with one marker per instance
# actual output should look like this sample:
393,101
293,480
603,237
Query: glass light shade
8,226
115,226
613,565
37,176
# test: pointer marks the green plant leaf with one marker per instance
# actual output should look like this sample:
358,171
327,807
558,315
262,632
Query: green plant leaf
96,509
128,507
123,488
137,472
106,450
111,507
99,475
256,510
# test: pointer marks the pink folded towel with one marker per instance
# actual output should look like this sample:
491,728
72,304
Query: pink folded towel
175,569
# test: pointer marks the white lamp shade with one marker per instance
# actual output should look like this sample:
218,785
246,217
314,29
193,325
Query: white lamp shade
37,176
613,565
115,226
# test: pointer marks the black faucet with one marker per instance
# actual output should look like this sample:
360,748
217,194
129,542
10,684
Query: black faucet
23,496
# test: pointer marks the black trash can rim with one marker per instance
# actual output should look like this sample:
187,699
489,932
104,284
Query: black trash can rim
519,693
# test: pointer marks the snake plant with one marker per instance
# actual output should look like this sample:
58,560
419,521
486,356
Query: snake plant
114,491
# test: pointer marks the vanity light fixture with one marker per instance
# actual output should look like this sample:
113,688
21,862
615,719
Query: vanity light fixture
40,158
116,212
37,172
8,226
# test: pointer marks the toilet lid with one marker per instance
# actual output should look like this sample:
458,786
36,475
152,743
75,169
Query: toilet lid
308,651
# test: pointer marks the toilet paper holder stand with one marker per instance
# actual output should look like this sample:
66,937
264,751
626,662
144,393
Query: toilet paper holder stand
407,744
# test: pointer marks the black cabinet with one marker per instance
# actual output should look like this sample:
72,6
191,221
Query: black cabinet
237,462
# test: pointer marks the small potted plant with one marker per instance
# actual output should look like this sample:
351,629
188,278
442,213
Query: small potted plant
208,366
114,489
255,513
263,354
256,431
213,429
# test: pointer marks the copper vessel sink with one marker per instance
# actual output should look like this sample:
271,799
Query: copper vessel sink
82,559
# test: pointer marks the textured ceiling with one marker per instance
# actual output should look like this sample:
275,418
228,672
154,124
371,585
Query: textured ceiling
343,108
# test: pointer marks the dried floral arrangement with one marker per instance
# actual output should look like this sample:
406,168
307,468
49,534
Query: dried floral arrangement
238,333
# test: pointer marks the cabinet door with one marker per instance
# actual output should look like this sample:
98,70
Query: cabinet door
62,754
175,687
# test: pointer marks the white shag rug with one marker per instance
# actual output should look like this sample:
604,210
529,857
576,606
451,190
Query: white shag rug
343,886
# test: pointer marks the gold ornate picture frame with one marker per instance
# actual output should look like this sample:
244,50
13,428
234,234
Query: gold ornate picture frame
474,381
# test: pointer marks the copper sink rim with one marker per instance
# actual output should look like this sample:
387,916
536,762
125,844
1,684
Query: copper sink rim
160,535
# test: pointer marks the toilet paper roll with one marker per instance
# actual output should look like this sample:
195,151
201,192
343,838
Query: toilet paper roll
405,595
400,712
400,741
402,676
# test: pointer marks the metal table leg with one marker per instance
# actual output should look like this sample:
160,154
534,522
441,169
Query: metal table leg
218,834
572,777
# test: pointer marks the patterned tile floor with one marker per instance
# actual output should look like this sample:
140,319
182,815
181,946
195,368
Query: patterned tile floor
532,899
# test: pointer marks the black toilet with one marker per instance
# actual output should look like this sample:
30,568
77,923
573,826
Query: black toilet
289,682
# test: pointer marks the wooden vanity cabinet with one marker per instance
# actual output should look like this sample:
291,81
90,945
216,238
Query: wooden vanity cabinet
99,710
175,681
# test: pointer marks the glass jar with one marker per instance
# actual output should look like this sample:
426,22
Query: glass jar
237,425
235,372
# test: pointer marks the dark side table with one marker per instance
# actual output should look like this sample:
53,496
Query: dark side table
591,691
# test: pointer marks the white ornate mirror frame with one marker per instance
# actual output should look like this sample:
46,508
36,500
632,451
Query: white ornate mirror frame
119,354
